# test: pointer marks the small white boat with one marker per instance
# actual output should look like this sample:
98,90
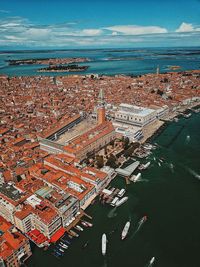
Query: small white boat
84,224
144,218
63,245
125,230
121,201
187,115
121,192
78,227
152,260
144,166
137,177
87,223
103,244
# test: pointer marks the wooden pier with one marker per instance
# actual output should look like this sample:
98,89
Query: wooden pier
77,220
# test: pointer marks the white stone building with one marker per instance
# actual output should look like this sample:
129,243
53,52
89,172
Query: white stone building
134,115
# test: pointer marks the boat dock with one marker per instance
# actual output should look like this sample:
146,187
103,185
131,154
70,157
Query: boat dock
77,220
126,172
107,196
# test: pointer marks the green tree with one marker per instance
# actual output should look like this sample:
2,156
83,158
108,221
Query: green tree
99,161
126,142
111,161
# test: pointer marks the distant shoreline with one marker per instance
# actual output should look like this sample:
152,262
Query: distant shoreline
46,61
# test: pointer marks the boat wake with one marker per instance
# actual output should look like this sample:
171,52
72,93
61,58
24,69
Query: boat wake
112,213
105,263
141,180
195,174
139,226
141,222
171,166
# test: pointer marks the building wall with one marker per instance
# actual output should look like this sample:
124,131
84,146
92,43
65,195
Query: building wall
87,196
69,213
7,210
24,225
47,229
135,119
19,256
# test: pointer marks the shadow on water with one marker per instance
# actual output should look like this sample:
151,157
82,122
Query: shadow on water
112,213
142,180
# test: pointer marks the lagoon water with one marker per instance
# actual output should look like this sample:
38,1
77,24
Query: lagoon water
169,195
107,61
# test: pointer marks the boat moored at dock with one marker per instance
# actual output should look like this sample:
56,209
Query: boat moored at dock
121,201
86,224
78,227
113,203
144,166
73,233
121,192
135,178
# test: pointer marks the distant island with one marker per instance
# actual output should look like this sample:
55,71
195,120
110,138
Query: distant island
46,61
63,68
174,67
125,58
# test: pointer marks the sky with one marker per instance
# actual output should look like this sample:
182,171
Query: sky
66,24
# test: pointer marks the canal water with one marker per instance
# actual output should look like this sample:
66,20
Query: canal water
169,194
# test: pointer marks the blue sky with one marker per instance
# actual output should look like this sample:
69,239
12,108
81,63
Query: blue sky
98,23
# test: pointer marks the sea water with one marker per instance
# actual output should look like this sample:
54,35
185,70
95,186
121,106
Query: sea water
134,61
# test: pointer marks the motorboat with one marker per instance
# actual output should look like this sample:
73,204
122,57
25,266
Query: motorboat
152,260
125,230
121,201
103,244
78,227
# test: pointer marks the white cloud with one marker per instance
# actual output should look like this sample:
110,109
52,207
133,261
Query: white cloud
91,32
187,27
37,33
20,31
136,29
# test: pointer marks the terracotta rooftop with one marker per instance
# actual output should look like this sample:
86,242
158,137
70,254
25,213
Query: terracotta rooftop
10,239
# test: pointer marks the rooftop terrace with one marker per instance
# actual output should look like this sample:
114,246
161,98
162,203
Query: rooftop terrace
11,192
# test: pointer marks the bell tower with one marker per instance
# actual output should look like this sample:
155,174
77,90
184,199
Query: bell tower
101,113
